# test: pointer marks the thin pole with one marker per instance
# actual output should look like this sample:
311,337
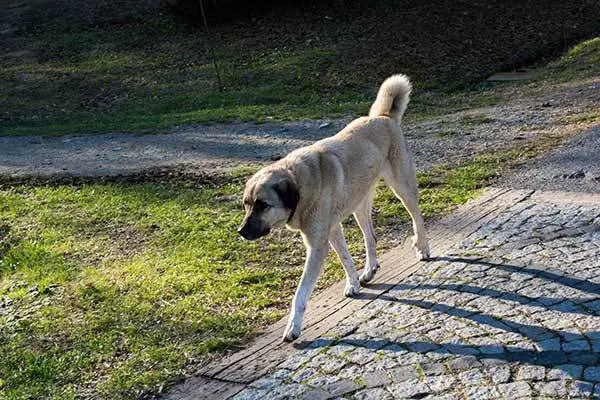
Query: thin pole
212,50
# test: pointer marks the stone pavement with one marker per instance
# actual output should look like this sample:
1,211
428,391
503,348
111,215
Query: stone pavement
509,308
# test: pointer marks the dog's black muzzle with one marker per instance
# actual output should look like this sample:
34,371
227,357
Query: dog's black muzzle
251,229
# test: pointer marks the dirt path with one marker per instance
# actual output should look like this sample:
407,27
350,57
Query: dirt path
574,166
526,113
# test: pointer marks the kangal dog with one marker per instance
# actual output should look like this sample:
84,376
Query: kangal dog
314,188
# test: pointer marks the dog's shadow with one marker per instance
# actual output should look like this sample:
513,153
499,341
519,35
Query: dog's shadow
584,352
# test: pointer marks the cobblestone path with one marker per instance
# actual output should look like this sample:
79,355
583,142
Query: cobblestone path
513,311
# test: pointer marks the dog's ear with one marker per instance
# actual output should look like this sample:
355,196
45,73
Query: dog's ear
288,193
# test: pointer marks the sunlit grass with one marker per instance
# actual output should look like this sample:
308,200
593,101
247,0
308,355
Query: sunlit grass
580,62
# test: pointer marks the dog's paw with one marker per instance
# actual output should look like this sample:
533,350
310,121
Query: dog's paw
421,249
352,289
368,274
422,256
422,253
292,332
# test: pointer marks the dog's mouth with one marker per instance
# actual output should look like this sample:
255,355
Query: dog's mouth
252,234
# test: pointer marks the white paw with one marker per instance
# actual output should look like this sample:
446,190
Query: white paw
292,331
421,249
368,274
352,289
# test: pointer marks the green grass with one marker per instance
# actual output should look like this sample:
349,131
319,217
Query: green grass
107,90
585,118
476,119
580,62
116,288
82,67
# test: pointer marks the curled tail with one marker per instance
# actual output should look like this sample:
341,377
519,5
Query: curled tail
392,98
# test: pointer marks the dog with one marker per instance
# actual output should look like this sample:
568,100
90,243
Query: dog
314,188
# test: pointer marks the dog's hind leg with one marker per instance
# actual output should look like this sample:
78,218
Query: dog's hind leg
365,222
338,242
399,174
316,251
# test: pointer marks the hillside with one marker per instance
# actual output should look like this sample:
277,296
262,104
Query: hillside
79,67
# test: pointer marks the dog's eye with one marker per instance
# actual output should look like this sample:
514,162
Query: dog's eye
261,205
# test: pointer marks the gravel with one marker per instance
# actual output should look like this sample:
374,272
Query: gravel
575,166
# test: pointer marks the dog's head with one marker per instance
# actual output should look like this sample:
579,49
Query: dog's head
270,200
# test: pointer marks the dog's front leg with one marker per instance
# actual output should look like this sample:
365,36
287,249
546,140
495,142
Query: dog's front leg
316,251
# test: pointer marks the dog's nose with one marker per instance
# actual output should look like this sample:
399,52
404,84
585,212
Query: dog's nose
244,232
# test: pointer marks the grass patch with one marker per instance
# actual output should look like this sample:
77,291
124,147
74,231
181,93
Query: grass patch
476,119
584,118
581,61
447,132
84,312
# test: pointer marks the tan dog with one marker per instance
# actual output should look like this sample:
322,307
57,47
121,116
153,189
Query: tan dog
314,188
